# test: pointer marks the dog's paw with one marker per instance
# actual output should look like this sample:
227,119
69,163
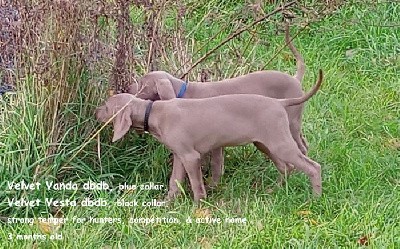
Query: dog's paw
172,195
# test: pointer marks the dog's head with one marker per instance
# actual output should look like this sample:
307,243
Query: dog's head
148,86
119,108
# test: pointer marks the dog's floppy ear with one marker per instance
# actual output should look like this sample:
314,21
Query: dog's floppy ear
164,89
122,123
133,88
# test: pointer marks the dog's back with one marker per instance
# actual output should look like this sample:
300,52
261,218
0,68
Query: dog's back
227,120
271,83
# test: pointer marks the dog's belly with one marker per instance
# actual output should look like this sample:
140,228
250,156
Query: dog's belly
214,142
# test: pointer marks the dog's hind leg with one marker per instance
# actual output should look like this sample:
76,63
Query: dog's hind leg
311,168
286,150
217,166
284,169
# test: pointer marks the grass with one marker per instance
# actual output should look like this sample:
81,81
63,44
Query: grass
352,126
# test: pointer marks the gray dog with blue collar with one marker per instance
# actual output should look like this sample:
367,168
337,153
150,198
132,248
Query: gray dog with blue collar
208,124
160,85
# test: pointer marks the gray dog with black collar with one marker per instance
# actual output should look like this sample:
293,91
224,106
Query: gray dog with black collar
208,124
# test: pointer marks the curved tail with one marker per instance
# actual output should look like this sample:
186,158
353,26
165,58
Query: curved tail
301,66
305,97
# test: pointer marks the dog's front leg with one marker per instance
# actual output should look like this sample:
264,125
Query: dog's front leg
177,176
192,165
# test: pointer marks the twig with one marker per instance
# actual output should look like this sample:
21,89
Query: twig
236,33
244,52
209,40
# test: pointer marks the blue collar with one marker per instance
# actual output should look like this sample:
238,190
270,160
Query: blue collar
182,90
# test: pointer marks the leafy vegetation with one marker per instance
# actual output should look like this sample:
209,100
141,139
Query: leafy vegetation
352,126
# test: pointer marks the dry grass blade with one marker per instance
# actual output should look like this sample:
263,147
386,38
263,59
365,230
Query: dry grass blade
93,137
121,77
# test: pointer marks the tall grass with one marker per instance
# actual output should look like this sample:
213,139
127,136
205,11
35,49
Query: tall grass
71,53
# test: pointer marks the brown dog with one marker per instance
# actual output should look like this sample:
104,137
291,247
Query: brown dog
191,127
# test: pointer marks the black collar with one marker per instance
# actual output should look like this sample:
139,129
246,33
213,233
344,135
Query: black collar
147,115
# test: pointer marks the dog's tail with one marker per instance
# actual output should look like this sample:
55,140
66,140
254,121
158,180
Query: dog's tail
301,66
305,97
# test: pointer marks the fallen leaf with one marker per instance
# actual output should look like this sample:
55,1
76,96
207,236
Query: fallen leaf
313,222
130,191
57,212
287,57
351,52
255,184
48,227
393,143
364,240
202,213
205,243
304,212
259,225
221,203
269,190
35,245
